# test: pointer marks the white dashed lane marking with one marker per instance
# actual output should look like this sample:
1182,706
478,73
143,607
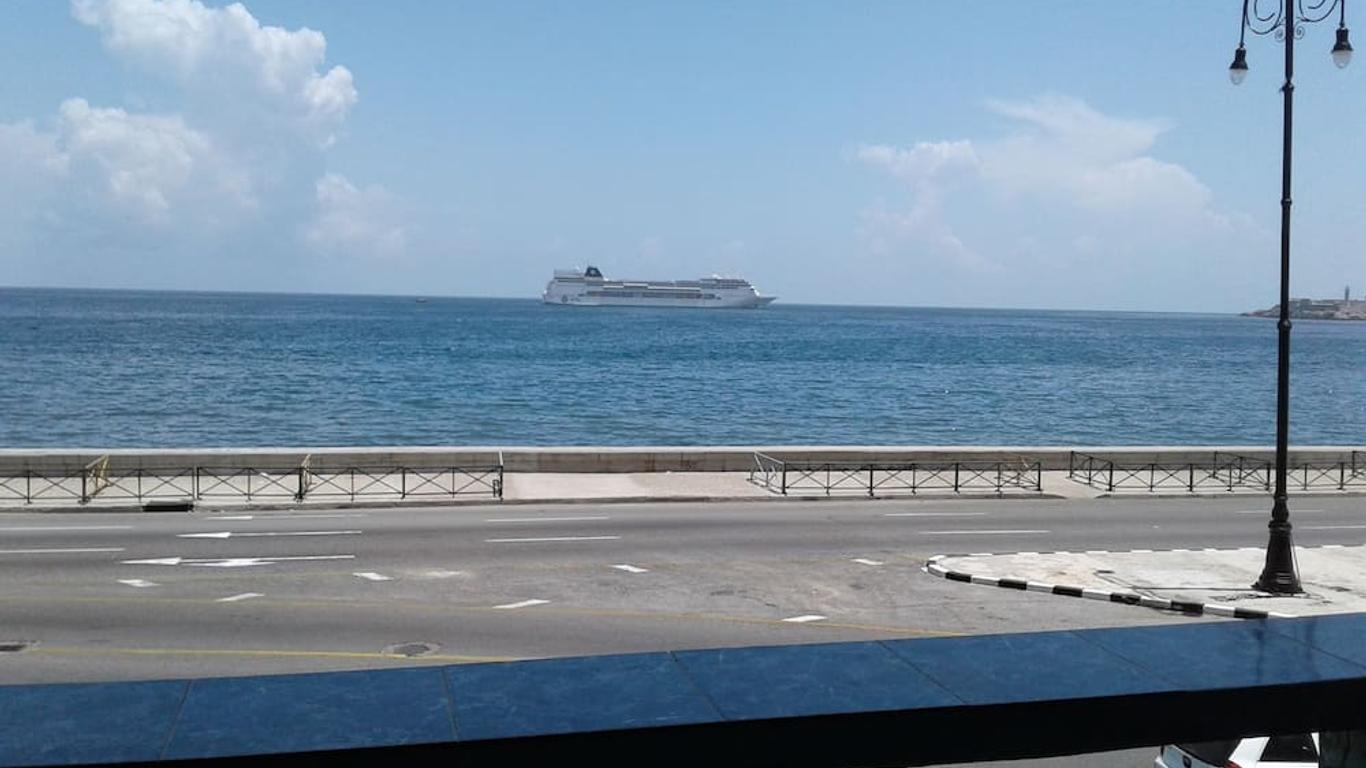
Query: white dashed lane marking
1331,527
76,550
545,519
523,604
805,618
372,576
980,532
866,561
239,534
34,528
138,583
934,514
551,538
239,598
630,568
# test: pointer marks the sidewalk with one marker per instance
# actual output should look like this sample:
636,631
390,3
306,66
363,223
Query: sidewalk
427,487
660,486
1190,581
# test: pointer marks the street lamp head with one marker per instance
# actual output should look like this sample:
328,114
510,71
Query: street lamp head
1238,69
1342,49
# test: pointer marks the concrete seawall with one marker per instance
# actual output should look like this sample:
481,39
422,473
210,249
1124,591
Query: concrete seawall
610,460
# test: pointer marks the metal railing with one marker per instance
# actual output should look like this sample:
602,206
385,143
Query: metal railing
785,476
100,480
1221,471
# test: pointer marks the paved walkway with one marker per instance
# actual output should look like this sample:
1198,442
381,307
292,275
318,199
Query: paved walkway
1202,580
250,487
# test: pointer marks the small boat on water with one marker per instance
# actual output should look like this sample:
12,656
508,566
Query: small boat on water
589,288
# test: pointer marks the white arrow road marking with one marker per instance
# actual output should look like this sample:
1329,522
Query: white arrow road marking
71,527
551,538
236,598
979,532
58,551
372,576
231,562
523,604
866,561
631,568
232,535
231,517
139,583
545,519
804,619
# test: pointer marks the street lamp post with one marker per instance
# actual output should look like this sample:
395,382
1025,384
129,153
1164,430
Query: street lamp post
1285,18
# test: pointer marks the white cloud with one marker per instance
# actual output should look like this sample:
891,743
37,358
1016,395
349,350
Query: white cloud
355,221
225,53
233,170
1067,189
924,161
144,166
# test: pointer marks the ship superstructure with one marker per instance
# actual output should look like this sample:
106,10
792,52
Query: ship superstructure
588,288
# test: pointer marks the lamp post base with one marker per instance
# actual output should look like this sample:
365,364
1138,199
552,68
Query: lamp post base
1278,575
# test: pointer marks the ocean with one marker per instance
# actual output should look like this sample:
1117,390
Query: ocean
105,369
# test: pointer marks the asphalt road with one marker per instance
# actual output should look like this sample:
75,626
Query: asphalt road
101,596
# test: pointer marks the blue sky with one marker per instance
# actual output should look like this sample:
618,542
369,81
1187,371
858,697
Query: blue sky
1053,155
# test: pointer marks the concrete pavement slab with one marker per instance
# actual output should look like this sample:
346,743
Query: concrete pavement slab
1199,580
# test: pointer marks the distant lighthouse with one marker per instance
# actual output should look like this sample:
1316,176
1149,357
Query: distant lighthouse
1347,294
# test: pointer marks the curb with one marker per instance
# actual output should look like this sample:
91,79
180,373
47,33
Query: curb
493,502
1189,608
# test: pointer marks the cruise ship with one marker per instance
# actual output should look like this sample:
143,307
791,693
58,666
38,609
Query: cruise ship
589,288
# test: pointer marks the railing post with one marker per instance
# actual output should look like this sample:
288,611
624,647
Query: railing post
1342,475
870,480
84,498
139,485
28,486
403,482
956,466
1111,483
784,467
1071,460
499,494
1190,483
1000,487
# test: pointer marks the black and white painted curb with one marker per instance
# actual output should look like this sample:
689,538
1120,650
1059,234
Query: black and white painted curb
933,567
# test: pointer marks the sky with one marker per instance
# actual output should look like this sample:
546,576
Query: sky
1060,154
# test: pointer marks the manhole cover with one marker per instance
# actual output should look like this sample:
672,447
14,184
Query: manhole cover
14,646
411,650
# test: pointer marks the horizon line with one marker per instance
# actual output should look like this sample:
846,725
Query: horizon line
326,294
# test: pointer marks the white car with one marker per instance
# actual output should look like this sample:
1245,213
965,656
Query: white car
1297,750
